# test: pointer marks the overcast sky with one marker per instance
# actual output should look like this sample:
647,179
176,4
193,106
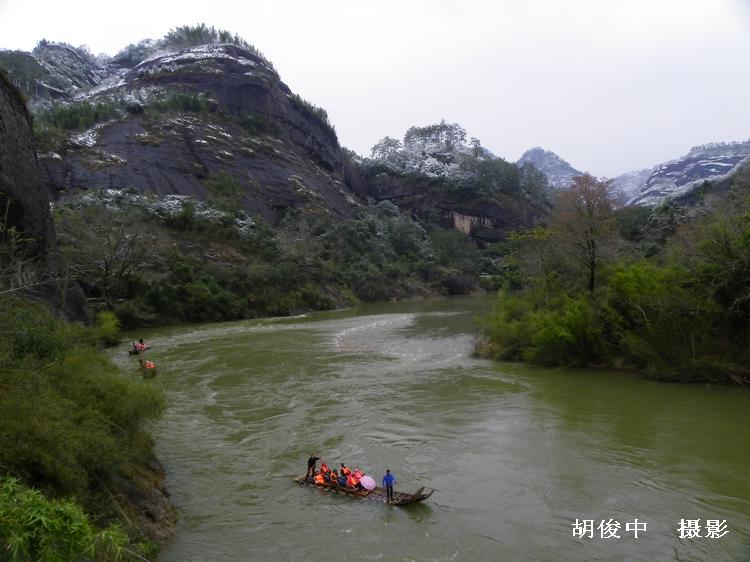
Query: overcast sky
609,85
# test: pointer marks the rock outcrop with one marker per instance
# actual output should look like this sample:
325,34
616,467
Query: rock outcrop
25,207
180,119
24,203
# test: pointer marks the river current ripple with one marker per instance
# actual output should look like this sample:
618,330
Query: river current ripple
516,453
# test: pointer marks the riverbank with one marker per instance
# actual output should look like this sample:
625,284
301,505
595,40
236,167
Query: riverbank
76,429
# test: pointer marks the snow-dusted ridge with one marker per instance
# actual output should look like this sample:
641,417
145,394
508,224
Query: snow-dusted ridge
708,162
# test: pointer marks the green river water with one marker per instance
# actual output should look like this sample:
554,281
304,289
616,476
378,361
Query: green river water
516,453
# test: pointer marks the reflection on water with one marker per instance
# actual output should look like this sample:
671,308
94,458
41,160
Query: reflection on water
516,453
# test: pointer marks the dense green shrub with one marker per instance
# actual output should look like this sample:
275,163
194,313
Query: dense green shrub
36,529
176,102
52,127
107,328
70,419
224,193
682,315
308,261
180,38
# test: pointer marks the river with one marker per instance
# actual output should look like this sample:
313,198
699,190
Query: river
517,453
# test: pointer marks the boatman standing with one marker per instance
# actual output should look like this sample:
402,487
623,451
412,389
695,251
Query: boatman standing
388,481
311,467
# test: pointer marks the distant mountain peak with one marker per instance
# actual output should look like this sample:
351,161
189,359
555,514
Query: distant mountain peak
558,171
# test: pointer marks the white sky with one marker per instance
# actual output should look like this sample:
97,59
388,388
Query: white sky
609,85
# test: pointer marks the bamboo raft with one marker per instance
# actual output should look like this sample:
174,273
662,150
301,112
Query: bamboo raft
377,493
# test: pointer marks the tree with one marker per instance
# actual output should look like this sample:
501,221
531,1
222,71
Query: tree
385,148
583,215
107,247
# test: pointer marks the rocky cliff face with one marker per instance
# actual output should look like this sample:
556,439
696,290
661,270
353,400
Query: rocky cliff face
181,119
676,178
23,199
25,207
54,71
559,173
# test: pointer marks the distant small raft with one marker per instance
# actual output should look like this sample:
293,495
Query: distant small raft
377,494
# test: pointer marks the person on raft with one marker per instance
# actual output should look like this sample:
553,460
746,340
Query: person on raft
388,481
311,467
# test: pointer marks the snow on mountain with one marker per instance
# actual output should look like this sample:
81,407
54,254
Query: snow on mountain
559,172
434,151
627,185
709,162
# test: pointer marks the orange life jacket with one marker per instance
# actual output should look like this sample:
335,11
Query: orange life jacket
351,481
319,479
324,469
345,471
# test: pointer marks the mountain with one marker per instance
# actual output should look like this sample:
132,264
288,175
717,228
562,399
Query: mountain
710,162
558,171
629,184
436,174
53,71
706,163
176,119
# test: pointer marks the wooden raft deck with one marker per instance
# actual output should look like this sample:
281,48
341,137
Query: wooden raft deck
376,494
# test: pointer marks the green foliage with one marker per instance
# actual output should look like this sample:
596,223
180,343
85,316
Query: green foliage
72,426
52,127
147,274
70,419
193,35
107,248
177,102
180,38
20,70
632,222
318,112
107,328
257,124
454,249
81,115
568,335
567,332
682,317
225,193
449,135
34,528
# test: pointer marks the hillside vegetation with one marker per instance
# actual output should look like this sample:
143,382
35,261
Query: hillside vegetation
74,429
655,291
192,262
